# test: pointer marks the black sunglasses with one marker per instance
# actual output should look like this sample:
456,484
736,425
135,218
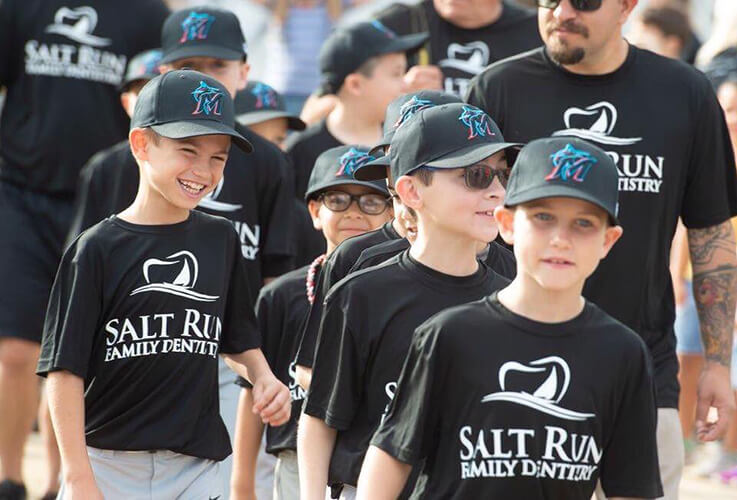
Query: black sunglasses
369,203
582,5
479,177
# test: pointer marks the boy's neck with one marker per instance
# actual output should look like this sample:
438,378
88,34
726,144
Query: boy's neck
353,125
152,209
525,297
445,254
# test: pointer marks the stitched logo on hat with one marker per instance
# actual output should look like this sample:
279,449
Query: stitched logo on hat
149,63
208,99
265,96
352,161
196,26
410,108
477,122
379,26
570,163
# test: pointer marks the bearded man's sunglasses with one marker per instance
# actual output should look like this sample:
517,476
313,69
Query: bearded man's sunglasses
582,5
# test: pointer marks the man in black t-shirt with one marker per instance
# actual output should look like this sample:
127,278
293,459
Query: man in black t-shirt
283,304
142,305
60,64
660,122
449,164
464,38
532,392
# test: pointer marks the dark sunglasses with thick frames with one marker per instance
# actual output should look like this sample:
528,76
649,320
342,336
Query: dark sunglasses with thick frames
368,203
582,5
477,177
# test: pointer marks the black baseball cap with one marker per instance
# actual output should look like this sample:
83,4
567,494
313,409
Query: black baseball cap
346,49
143,66
186,103
335,167
259,102
447,136
405,107
202,32
564,167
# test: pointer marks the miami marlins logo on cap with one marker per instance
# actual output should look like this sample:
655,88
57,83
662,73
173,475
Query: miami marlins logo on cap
410,108
196,26
379,26
265,96
208,99
477,122
352,161
570,163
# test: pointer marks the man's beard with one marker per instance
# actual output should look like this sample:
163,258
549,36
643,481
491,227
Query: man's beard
559,51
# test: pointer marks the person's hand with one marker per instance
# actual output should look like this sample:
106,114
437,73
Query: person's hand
317,108
423,77
715,391
271,400
680,291
82,489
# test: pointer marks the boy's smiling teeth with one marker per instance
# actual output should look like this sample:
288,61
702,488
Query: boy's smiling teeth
191,187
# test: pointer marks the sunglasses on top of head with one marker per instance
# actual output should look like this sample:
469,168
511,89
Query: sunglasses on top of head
582,5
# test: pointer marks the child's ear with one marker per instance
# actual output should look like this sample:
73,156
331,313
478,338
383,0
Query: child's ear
353,84
313,206
243,76
139,141
505,221
407,189
611,235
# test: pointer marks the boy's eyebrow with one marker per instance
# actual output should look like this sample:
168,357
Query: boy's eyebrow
591,210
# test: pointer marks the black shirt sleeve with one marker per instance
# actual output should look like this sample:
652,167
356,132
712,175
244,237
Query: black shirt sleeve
74,311
711,187
277,220
624,473
88,207
6,42
410,428
340,363
486,92
239,324
270,319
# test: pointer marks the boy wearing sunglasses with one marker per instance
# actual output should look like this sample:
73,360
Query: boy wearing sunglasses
661,123
341,207
532,392
438,159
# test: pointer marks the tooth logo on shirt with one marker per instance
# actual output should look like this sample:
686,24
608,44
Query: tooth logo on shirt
544,396
594,123
175,275
210,200
78,25
470,58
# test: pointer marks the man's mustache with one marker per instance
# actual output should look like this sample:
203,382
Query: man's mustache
569,25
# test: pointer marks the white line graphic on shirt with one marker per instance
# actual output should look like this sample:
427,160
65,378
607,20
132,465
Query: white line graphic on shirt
210,201
547,395
78,25
594,123
471,57
182,283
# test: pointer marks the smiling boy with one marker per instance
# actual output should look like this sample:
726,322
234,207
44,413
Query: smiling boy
532,392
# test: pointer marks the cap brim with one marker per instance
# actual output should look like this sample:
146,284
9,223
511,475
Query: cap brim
293,122
374,170
202,50
385,141
556,191
343,182
472,154
407,43
195,128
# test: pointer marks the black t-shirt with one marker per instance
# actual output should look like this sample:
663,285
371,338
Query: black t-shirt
500,406
61,61
334,269
140,313
365,333
303,148
281,309
660,121
255,195
462,53
496,257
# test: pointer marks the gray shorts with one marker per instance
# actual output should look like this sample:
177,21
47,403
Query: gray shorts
286,476
145,475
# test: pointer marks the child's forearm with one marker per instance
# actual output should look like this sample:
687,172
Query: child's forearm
304,376
250,364
246,442
315,441
382,476
65,393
